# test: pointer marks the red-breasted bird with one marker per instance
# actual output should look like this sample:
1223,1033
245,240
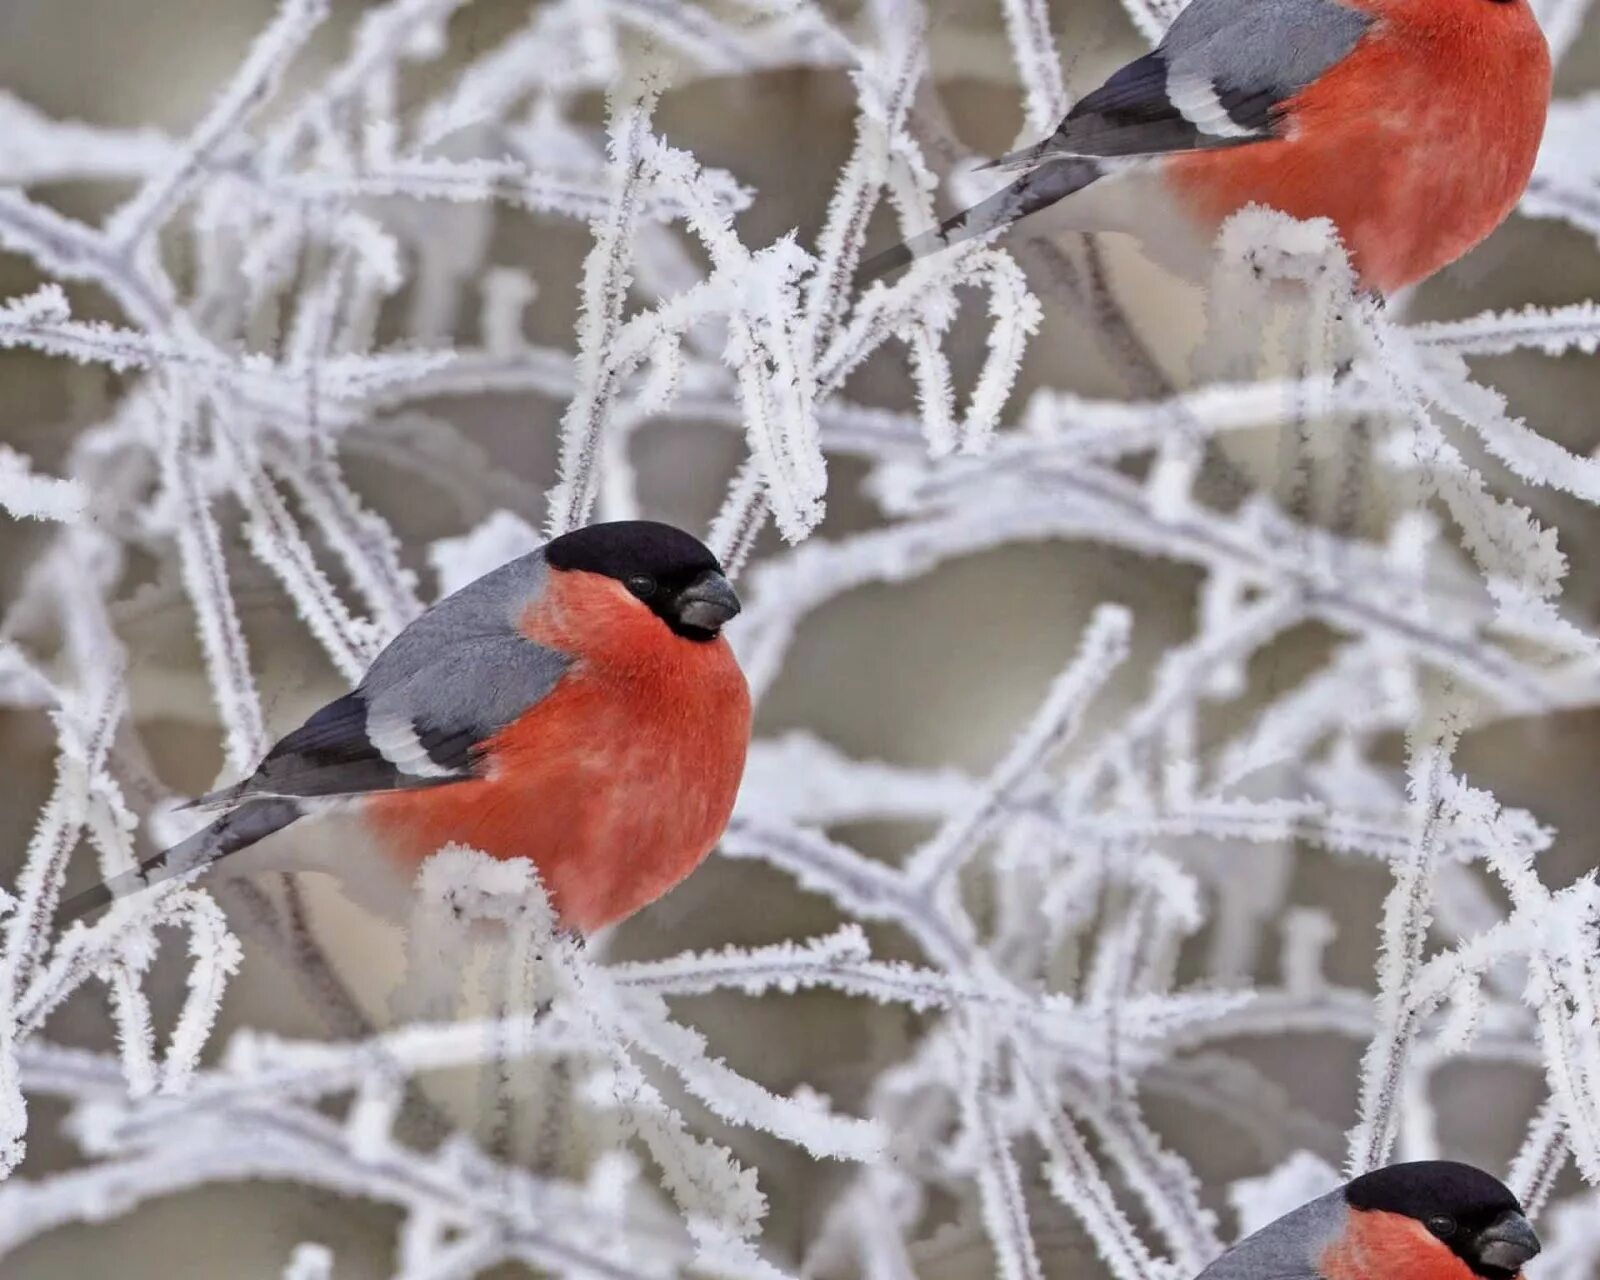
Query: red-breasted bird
578,706
1428,1220
1412,124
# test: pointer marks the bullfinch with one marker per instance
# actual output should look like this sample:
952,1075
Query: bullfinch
1427,1220
1411,124
578,706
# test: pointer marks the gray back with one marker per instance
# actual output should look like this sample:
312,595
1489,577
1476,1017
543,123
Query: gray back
455,677
466,661
1268,51
1218,79
1287,1249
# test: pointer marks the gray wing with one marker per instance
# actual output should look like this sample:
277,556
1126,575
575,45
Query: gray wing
452,679
1217,79
1288,1249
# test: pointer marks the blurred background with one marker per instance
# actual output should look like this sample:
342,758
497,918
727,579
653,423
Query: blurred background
941,670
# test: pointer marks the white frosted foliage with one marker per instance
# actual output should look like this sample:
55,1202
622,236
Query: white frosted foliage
1070,935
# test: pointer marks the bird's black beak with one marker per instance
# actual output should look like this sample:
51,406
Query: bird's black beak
707,602
1507,1243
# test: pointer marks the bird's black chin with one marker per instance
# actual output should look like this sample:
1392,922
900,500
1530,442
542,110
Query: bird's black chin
700,635
1505,1246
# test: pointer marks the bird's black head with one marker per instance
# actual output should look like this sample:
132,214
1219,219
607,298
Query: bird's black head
1469,1212
669,571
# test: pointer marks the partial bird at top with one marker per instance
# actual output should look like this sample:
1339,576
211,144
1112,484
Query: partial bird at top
1412,124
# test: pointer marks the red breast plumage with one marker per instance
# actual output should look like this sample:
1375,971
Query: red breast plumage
1379,1244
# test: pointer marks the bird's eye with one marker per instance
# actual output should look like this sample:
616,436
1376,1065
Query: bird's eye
1442,1227
642,585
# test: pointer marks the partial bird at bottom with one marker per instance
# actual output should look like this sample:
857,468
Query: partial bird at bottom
1426,1220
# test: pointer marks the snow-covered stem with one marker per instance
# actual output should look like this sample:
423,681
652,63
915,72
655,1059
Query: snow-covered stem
605,287
1038,64
1104,648
1404,935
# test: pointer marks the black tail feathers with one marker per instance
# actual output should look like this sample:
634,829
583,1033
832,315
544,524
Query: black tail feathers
1045,179
233,831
